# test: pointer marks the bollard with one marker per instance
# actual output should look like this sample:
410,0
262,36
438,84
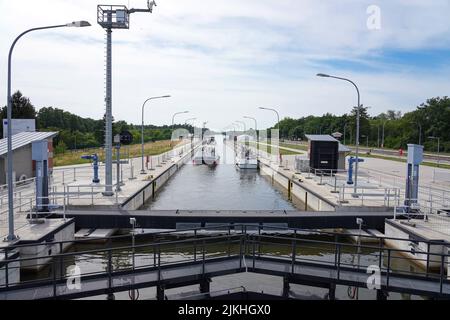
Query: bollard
335,185
321,179
132,171
151,164
121,176
74,174
309,173
289,190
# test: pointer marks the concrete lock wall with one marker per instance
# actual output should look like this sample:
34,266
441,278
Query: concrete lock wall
41,253
310,199
415,250
13,274
148,191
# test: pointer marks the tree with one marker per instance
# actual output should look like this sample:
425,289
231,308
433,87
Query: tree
364,124
22,108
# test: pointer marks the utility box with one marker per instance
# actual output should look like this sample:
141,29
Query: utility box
415,158
415,154
39,150
39,153
323,152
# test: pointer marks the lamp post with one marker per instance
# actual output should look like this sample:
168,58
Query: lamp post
77,24
420,131
357,124
438,148
142,129
243,124
278,125
189,120
256,129
173,122
345,133
382,135
193,123
367,140
278,116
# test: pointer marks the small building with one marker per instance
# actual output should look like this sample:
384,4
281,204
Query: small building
344,151
326,153
323,151
24,167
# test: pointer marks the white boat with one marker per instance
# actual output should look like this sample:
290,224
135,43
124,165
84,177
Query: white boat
207,156
246,159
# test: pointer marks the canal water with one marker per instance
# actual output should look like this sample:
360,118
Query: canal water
223,188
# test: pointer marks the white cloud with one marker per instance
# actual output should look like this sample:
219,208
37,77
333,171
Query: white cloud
222,59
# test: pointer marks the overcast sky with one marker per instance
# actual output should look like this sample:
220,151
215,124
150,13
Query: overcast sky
221,59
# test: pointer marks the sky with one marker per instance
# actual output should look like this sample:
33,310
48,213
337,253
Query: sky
222,59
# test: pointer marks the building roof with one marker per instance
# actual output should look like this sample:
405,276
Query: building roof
343,148
320,137
24,138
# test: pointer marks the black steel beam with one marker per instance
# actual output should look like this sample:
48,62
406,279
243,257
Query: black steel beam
170,219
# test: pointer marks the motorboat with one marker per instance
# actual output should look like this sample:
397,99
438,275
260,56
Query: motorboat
207,156
246,159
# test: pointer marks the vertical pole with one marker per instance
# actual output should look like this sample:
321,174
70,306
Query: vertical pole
118,169
11,235
142,141
108,101
439,149
357,140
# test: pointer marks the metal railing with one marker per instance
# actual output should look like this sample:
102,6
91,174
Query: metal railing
249,244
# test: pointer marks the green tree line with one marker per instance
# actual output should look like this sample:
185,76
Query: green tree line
430,119
76,132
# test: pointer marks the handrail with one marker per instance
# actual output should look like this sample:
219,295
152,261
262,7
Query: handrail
247,244
228,228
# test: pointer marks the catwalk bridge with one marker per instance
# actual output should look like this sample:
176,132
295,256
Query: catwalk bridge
176,219
230,250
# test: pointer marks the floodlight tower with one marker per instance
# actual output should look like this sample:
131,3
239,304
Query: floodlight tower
113,17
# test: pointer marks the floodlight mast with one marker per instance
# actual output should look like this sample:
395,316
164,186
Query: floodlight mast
150,5
113,17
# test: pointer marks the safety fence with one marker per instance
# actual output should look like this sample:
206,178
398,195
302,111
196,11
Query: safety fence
257,249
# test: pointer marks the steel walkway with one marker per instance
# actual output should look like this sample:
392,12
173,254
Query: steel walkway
171,219
226,255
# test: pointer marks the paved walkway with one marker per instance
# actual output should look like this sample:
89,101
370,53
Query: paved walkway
375,174
73,185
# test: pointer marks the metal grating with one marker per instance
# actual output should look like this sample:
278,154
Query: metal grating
113,17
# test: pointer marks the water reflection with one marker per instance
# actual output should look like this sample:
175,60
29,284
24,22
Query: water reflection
224,187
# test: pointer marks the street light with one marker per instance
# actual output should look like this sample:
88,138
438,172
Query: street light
77,24
173,120
439,148
142,128
357,123
382,136
256,126
367,139
176,114
243,123
256,123
420,131
189,120
279,131
278,115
